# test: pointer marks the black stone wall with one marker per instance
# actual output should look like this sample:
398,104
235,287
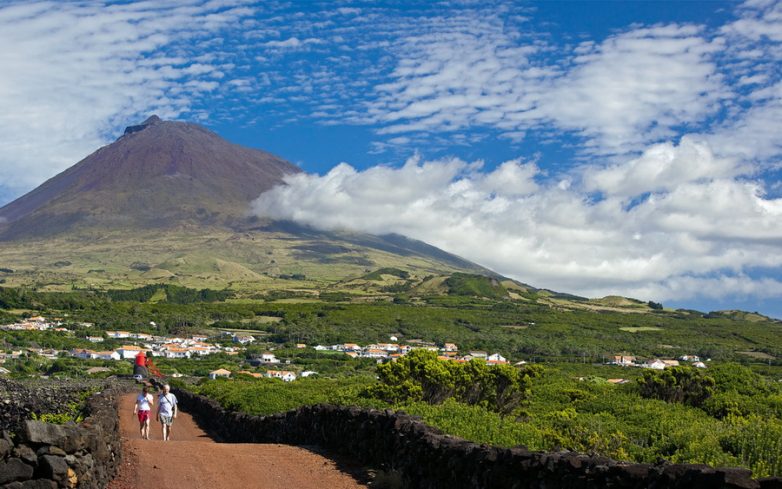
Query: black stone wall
43,455
426,458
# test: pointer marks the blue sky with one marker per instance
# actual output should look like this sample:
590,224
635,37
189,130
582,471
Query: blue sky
589,147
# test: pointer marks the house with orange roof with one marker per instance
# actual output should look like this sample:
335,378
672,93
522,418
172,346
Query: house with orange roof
220,372
199,350
374,353
176,351
84,354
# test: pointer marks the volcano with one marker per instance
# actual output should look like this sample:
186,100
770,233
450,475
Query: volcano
159,174
170,201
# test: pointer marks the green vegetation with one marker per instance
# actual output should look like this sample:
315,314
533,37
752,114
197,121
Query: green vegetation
269,396
465,284
685,385
172,294
420,376
585,414
731,414
74,412
393,272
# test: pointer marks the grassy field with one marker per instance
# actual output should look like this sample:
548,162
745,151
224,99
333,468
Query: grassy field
639,329
253,261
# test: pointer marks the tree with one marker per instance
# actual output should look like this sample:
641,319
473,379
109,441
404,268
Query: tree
685,385
421,376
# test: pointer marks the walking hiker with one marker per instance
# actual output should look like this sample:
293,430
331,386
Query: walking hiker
142,408
166,410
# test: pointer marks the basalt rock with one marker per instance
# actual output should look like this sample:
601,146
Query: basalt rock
41,455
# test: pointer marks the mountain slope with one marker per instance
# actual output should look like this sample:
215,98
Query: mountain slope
169,202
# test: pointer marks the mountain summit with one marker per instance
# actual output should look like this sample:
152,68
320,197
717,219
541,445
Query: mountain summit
170,202
158,174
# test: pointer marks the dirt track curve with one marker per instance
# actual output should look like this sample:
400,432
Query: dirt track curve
190,459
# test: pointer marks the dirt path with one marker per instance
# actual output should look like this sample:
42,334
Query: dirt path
193,460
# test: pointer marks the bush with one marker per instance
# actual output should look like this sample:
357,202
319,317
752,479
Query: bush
685,385
421,376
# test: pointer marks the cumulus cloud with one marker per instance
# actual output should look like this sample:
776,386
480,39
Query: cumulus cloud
636,87
76,73
705,228
662,167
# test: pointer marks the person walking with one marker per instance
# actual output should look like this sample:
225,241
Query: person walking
166,410
142,409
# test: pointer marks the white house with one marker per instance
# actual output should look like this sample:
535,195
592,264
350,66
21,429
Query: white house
95,339
322,348
269,358
171,351
128,352
106,355
655,364
308,373
374,353
624,360
690,358
496,358
81,353
243,339
698,364
118,334
285,375
478,354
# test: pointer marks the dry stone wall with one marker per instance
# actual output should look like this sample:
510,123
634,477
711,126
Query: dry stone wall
34,454
426,458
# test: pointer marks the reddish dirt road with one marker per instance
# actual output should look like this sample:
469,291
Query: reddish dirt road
193,460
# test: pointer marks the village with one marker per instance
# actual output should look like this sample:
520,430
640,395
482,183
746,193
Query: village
235,343
625,360
172,347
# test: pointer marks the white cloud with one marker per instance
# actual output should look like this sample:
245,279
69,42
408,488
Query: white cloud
758,20
463,72
631,89
292,43
662,167
700,229
754,43
636,87
75,73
